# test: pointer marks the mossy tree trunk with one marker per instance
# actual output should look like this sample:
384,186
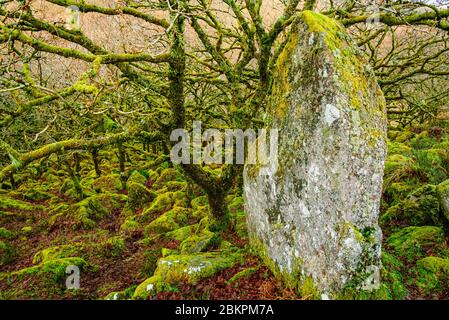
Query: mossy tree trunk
122,159
76,158
94,153
76,180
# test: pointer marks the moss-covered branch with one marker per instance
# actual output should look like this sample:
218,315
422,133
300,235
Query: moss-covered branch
87,7
72,53
73,144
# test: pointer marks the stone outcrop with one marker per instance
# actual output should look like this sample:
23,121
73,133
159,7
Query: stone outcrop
314,211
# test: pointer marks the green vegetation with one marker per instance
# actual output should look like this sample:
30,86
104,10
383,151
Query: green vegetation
86,177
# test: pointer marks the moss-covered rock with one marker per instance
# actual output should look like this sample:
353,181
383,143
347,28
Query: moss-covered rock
168,221
58,252
324,101
245,273
169,174
412,242
7,253
130,225
85,213
52,270
238,216
35,194
443,196
7,203
113,247
182,233
27,230
421,207
432,274
6,234
173,269
107,183
162,203
139,195
200,242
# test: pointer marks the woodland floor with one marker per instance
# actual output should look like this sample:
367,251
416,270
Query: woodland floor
123,238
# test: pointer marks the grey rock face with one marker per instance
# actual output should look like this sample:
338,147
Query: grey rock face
314,212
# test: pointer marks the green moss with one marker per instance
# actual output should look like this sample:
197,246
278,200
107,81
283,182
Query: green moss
54,270
107,183
139,195
84,213
168,221
7,253
432,274
150,262
121,295
422,141
6,234
8,203
151,287
162,203
113,247
392,278
420,208
173,269
394,147
129,225
58,252
412,242
245,273
36,195
27,229
397,162
404,136
169,252
397,192
301,284
238,216
443,196
200,242
181,234
167,175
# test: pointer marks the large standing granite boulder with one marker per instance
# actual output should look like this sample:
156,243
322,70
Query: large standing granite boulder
314,213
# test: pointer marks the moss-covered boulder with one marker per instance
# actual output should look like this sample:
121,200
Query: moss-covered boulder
412,242
432,275
52,271
199,242
315,210
171,270
8,204
86,212
114,246
130,225
170,174
34,194
58,252
421,207
7,253
168,221
108,183
443,196
163,203
138,194
7,234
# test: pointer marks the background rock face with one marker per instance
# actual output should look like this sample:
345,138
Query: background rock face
314,213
